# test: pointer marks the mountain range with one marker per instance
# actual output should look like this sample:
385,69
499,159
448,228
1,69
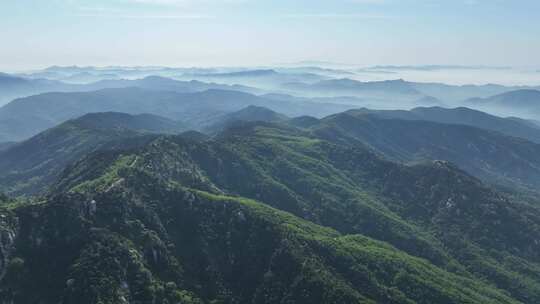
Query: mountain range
308,81
25,117
511,126
12,87
490,156
31,166
277,185
501,151
346,87
523,103
250,113
267,213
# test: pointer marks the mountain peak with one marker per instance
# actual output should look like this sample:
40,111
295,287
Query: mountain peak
250,113
117,120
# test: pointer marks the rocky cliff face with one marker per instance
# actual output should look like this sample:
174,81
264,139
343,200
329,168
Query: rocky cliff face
8,233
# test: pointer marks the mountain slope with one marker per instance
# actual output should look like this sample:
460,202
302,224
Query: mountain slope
488,155
464,116
433,211
145,230
518,98
5,145
12,87
523,103
168,243
30,166
145,123
178,219
250,113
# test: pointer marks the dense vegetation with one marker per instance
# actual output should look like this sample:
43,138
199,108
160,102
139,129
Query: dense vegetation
511,126
146,241
267,213
491,156
29,167
268,209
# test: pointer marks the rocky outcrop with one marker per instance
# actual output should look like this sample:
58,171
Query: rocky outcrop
8,233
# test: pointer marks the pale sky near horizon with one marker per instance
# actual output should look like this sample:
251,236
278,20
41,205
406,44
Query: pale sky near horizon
40,33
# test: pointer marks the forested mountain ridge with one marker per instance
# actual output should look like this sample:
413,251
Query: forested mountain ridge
464,116
29,167
489,155
269,152
176,218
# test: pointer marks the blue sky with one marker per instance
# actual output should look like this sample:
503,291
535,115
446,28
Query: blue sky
38,33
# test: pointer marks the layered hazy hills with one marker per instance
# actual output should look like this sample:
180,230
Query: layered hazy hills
373,94
457,93
301,80
443,93
28,116
14,87
165,84
249,74
195,213
518,98
31,166
401,94
268,79
524,103
347,86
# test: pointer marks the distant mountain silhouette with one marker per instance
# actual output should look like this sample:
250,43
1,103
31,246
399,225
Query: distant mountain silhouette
524,103
12,87
28,116
249,73
456,94
464,116
346,86
524,99
261,78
